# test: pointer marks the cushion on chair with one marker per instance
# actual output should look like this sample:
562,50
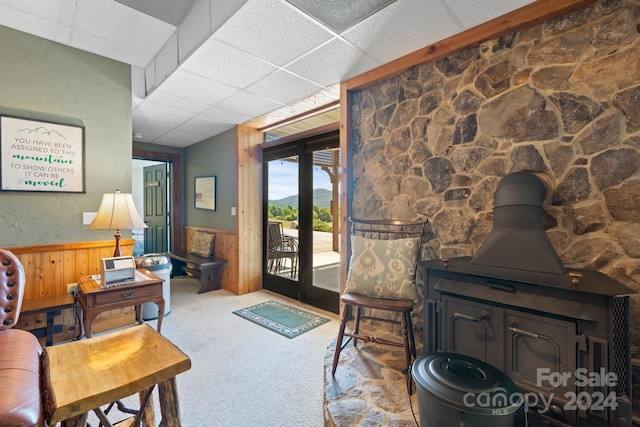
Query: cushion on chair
203,243
383,268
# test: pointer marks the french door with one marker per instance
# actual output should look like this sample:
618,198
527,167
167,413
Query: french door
301,212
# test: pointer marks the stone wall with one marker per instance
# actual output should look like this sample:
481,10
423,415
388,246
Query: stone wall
561,99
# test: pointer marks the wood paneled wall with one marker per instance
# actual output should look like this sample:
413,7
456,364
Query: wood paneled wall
226,247
48,270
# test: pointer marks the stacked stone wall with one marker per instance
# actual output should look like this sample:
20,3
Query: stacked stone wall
561,100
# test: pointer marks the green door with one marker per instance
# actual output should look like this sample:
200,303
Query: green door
156,210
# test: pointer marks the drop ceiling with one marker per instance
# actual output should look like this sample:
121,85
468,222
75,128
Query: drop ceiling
201,67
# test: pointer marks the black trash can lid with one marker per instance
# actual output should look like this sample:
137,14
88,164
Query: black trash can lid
149,260
467,384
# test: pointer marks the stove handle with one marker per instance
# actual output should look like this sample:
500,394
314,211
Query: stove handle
484,315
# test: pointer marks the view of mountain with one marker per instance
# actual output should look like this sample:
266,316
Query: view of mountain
321,198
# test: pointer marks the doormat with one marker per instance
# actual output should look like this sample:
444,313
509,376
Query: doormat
281,318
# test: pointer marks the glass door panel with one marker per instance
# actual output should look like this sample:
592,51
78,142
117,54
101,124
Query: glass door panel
326,214
282,254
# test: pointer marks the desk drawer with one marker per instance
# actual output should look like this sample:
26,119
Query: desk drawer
126,293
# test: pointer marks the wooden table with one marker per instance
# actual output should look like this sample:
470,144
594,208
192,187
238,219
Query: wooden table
95,299
83,375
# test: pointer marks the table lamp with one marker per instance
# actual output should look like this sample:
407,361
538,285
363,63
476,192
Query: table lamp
117,212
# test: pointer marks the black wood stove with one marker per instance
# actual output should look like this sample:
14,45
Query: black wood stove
561,335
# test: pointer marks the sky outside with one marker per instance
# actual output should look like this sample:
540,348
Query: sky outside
283,179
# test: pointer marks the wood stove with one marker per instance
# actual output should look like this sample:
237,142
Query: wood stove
561,335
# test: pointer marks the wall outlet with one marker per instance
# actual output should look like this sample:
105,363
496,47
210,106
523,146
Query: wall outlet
72,288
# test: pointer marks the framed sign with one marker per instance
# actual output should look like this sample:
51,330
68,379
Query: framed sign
41,156
205,192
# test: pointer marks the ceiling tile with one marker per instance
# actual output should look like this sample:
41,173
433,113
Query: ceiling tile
322,67
249,103
109,49
219,61
166,61
194,29
164,98
170,11
32,24
203,125
340,14
179,115
284,87
179,138
157,114
401,28
121,24
272,30
60,11
197,88
474,13
149,129
221,11
227,115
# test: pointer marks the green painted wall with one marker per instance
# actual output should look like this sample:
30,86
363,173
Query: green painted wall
40,79
215,156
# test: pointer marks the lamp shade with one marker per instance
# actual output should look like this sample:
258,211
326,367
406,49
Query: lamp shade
117,212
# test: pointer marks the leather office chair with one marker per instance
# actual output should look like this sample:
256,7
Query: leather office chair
21,402
381,276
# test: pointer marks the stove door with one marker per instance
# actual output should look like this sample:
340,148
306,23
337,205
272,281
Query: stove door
540,353
468,327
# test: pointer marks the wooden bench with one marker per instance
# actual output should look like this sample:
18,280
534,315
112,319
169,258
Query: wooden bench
206,268
53,306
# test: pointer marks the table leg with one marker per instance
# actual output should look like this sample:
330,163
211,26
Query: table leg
160,305
169,407
50,326
138,309
148,417
87,321
77,421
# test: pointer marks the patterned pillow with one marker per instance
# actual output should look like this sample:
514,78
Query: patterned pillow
202,243
383,268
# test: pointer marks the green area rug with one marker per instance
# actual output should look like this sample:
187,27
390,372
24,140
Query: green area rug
281,318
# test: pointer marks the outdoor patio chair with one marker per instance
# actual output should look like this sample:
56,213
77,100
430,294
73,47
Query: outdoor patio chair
381,278
281,248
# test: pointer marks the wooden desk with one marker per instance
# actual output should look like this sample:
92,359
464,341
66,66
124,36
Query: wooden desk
83,375
94,299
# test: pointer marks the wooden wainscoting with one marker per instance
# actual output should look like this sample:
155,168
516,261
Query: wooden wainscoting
48,270
226,247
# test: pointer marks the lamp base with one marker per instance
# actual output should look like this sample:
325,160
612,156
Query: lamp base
117,252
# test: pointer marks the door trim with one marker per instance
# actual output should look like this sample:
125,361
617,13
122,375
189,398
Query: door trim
177,219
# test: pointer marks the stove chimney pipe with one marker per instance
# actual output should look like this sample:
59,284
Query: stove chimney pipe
518,240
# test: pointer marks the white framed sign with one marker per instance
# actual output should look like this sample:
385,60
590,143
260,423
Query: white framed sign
36,155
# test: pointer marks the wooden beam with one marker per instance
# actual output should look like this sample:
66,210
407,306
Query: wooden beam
249,211
519,19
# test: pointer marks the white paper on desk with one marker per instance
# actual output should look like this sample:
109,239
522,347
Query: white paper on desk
126,262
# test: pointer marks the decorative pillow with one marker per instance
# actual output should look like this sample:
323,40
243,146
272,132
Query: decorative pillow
383,268
202,243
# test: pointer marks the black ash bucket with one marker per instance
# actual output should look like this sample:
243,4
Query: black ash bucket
455,390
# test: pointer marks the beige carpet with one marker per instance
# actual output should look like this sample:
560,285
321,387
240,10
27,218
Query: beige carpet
243,374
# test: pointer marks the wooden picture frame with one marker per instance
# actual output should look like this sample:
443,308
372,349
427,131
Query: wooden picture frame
205,192
41,156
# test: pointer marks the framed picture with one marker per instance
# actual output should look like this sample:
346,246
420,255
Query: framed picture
41,156
205,192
